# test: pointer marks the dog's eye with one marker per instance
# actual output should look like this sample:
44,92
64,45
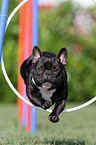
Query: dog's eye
56,69
39,69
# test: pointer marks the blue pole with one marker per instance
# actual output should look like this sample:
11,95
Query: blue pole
35,42
3,17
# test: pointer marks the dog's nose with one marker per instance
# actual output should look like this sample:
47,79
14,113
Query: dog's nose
47,73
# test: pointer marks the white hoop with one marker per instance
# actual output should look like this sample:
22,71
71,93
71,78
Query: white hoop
11,85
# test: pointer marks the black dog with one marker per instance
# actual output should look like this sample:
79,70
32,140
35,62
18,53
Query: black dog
46,81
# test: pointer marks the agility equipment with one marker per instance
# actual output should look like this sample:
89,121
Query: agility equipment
3,17
28,38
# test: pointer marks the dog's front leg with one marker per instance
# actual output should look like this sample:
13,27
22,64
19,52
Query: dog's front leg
59,107
47,105
34,97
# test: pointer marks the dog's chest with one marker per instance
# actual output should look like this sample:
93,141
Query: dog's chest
46,94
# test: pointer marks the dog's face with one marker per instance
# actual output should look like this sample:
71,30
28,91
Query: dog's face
48,70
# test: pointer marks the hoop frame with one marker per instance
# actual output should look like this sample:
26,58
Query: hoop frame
11,85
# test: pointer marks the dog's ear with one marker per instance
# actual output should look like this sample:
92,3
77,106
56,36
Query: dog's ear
36,54
62,55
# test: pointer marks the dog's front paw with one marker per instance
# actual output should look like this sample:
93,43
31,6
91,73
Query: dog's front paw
46,105
54,118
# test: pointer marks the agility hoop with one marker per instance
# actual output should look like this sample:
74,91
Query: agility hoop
11,85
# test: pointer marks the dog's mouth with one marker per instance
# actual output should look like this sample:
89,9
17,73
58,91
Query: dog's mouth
47,85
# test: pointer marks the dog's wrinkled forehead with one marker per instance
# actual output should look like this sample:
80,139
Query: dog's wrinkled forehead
48,63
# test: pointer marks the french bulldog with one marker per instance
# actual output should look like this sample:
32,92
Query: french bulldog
45,78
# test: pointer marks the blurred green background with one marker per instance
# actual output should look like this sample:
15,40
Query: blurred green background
67,25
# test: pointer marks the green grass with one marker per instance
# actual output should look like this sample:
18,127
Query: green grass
74,128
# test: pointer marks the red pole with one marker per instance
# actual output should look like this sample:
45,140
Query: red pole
21,52
27,39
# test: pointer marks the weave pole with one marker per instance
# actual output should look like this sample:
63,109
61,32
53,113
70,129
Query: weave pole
3,17
28,38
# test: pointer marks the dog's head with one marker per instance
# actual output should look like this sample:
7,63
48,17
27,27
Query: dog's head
48,69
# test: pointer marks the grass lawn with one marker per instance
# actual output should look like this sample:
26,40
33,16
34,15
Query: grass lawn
74,128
